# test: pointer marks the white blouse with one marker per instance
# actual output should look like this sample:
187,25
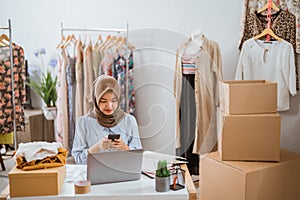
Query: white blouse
274,61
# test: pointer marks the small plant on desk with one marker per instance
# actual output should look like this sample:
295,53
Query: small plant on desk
162,177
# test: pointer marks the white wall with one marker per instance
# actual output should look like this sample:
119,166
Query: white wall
36,24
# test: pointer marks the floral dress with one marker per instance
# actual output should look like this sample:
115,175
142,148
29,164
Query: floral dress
6,100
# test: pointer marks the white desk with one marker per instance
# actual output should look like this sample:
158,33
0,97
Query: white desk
131,190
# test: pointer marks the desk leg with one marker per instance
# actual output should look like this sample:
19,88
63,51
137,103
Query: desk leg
189,183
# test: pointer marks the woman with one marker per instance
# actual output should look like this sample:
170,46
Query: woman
103,119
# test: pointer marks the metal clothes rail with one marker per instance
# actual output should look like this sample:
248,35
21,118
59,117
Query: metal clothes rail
107,30
9,28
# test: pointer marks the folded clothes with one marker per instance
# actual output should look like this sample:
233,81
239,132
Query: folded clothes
51,161
37,150
40,155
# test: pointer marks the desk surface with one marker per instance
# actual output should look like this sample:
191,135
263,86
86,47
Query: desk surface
140,189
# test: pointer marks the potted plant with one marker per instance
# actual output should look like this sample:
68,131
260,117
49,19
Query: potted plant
162,177
43,83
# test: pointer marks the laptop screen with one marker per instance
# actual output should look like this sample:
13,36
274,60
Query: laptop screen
114,166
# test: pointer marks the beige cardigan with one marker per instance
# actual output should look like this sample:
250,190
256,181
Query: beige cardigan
208,73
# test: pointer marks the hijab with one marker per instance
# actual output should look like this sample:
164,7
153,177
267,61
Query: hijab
101,85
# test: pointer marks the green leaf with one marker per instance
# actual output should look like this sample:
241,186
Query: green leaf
45,88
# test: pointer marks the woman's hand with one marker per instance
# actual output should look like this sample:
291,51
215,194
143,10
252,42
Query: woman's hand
101,145
118,144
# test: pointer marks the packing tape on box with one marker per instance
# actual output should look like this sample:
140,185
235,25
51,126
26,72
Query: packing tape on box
82,187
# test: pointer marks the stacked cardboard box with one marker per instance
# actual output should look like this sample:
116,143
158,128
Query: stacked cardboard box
249,138
250,124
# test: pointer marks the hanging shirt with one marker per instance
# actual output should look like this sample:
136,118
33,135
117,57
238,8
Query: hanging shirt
269,61
284,23
88,78
6,100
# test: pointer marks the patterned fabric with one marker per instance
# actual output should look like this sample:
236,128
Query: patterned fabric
71,82
292,6
119,73
131,95
59,116
6,101
282,22
188,65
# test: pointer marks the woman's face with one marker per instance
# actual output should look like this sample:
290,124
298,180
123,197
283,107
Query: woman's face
108,103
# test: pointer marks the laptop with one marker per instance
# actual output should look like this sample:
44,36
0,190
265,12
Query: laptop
114,166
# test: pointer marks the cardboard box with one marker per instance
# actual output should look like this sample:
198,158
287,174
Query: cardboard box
36,182
249,137
248,97
237,180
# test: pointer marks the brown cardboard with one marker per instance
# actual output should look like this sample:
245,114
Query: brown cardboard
248,96
36,182
249,137
238,180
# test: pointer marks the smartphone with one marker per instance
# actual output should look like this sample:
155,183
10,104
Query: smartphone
113,136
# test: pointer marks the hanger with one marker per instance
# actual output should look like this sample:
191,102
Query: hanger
114,42
62,40
107,40
122,45
99,40
273,6
108,43
268,31
4,39
69,40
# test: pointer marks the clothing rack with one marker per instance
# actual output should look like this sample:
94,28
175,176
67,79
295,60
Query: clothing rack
107,30
9,28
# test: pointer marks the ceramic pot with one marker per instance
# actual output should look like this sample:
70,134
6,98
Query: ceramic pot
162,184
50,112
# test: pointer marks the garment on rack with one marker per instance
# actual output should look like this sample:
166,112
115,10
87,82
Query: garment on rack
288,6
96,59
71,84
207,75
283,24
131,95
119,73
269,61
79,81
88,78
64,98
6,100
76,77
106,63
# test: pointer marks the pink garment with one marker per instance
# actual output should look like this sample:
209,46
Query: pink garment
79,81
59,117
106,64
88,78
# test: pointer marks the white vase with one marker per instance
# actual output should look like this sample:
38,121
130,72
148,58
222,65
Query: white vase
50,112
